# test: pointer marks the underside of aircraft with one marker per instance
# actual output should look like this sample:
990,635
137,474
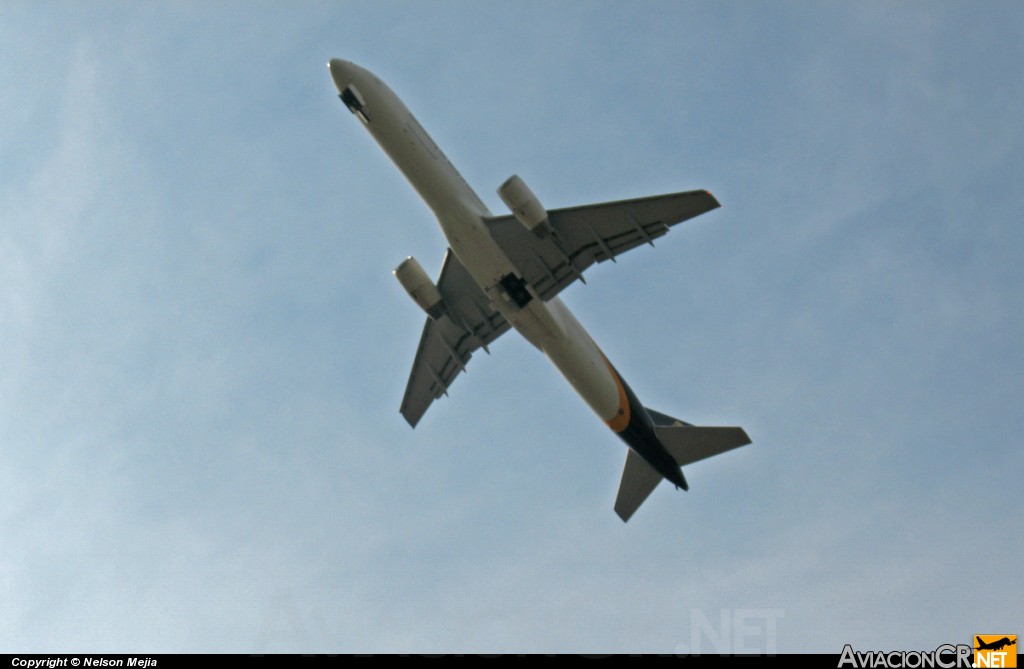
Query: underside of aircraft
507,272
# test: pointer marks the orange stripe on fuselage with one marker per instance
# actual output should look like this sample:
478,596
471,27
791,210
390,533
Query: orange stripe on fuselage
620,421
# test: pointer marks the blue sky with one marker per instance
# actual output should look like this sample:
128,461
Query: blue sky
202,348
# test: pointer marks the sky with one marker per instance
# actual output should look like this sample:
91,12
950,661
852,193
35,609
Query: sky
203,350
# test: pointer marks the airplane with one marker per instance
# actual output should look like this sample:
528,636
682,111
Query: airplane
503,272
998,644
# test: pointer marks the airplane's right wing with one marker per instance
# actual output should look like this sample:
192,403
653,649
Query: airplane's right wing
591,233
447,342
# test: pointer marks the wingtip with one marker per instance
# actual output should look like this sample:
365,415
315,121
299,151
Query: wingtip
409,419
713,199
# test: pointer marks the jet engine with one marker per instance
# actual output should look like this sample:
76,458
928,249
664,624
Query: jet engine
525,206
419,286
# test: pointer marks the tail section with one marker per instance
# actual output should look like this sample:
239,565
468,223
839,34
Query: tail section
685,443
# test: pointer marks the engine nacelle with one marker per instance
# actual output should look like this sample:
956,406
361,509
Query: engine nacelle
419,286
525,206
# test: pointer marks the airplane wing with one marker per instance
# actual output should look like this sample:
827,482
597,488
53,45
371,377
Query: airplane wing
591,233
448,342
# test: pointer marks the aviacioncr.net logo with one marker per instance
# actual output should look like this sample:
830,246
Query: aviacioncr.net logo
946,656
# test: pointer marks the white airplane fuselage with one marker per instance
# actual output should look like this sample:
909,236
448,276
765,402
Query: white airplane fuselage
549,326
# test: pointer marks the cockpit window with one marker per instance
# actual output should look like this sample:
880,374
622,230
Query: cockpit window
354,101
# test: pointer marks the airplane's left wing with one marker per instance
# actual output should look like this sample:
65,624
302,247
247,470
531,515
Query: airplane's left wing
448,342
591,233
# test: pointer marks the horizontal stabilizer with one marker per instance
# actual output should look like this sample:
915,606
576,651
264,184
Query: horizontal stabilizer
685,443
689,444
638,481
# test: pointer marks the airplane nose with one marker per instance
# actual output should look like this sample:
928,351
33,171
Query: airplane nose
340,72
